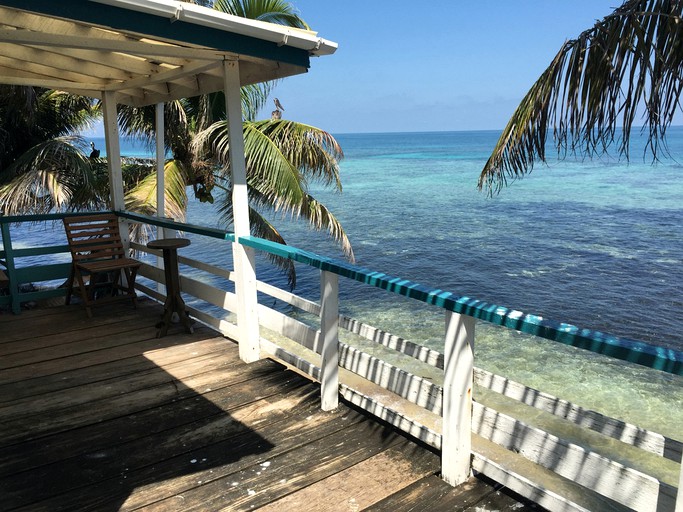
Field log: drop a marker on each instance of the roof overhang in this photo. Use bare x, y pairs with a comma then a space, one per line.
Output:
145, 51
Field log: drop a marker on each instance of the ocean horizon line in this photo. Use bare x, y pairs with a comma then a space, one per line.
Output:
634, 129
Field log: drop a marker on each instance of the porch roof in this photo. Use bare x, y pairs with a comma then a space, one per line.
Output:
145, 51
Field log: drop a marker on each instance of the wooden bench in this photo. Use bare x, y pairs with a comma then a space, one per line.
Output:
99, 257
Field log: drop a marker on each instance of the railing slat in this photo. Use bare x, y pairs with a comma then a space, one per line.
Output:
329, 329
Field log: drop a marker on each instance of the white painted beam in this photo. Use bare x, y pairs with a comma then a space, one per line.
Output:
329, 329
456, 441
111, 132
244, 260
161, 185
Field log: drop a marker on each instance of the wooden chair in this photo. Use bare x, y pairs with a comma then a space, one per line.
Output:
98, 256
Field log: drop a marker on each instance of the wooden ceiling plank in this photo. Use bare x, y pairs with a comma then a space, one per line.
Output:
48, 72
26, 79
64, 62
165, 76
56, 26
108, 61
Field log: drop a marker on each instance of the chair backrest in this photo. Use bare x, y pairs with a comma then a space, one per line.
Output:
94, 237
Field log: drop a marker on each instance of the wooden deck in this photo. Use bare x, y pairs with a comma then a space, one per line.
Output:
99, 414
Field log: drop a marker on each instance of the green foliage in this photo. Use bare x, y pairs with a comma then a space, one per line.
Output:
273, 11
595, 87
43, 169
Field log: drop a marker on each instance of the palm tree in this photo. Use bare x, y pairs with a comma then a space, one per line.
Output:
43, 166
282, 156
629, 62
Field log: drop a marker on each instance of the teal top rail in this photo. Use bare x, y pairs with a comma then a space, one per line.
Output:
667, 360
659, 358
179, 226
15, 219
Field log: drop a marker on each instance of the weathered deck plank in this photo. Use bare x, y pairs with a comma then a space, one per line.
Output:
363, 484
431, 490
101, 415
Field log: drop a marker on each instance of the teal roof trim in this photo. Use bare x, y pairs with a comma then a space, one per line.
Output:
155, 26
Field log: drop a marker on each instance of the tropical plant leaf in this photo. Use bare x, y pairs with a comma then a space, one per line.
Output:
52, 175
268, 169
143, 197
629, 63
280, 12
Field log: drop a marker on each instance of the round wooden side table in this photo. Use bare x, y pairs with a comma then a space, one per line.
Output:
174, 302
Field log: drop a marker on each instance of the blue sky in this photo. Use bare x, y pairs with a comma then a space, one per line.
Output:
449, 65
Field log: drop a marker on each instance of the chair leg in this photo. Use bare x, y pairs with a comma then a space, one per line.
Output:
87, 293
70, 286
131, 274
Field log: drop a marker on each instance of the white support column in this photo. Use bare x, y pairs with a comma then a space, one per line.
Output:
111, 132
329, 330
161, 185
113, 144
456, 437
245, 268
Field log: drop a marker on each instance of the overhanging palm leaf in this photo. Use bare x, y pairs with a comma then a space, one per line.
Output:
268, 170
313, 151
629, 62
52, 175
280, 12
280, 157
143, 198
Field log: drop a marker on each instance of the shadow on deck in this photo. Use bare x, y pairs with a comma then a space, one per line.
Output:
99, 414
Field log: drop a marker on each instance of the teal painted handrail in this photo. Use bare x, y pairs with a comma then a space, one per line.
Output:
179, 226
659, 358
15, 219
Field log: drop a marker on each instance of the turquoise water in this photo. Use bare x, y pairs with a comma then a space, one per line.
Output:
596, 243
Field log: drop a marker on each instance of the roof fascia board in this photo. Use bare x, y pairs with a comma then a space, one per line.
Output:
164, 28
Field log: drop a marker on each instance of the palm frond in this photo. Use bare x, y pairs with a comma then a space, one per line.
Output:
594, 89
268, 170
280, 12
53, 175
314, 152
322, 219
143, 197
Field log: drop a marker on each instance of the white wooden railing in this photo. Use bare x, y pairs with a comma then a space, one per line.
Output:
591, 468
470, 434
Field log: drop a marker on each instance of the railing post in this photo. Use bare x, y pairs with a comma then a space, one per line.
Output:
243, 257
161, 184
456, 437
11, 269
329, 331
679, 494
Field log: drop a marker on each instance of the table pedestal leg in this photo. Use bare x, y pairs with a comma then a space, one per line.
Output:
174, 301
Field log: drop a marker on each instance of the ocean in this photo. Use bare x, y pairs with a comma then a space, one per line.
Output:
593, 242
